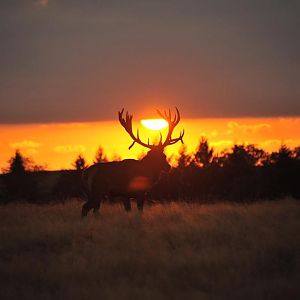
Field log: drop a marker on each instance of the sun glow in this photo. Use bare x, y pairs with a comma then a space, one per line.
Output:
154, 124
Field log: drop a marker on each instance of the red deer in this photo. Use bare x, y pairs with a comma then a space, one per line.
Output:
129, 178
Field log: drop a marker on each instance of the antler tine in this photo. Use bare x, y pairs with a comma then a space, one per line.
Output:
131, 145
168, 116
172, 124
120, 113
180, 138
127, 125
160, 140
176, 117
161, 115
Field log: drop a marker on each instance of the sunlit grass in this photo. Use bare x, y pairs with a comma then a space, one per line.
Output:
174, 251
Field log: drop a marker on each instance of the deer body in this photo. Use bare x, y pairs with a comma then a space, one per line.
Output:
125, 179
128, 178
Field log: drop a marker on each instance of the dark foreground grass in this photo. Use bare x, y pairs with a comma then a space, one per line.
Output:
177, 251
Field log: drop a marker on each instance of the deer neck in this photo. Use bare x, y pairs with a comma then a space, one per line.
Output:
150, 169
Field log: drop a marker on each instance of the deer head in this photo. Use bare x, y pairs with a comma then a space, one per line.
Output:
155, 159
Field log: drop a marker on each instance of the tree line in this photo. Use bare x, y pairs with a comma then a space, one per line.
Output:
242, 173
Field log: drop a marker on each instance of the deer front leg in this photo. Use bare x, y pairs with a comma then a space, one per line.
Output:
86, 208
127, 203
92, 203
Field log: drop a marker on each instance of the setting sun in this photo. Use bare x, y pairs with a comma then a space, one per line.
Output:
154, 124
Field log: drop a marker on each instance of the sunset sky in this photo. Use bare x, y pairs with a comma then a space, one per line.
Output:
232, 67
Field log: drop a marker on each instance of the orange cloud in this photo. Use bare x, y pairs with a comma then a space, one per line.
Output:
248, 129
272, 143
28, 146
276, 143
25, 144
221, 144
69, 149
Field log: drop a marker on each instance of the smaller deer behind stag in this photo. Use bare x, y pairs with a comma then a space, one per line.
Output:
129, 178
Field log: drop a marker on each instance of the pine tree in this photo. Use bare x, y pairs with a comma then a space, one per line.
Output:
184, 158
100, 156
80, 163
19, 182
204, 154
17, 163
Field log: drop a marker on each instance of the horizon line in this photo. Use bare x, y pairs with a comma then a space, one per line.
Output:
113, 120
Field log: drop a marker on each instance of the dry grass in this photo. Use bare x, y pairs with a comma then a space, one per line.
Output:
176, 251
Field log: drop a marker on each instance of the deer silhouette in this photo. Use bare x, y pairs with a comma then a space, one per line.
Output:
129, 178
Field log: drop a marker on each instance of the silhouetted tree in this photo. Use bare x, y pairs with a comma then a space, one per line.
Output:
80, 163
184, 158
236, 177
17, 163
19, 181
180, 175
68, 185
256, 156
296, 153
284, 171
20, 164
204, 154
282, 157
244, 173
243, 158
100, 156
116, 157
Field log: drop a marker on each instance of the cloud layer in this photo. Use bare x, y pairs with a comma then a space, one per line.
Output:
84, 60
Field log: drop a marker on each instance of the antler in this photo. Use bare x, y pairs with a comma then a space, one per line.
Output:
127, 124
172, 124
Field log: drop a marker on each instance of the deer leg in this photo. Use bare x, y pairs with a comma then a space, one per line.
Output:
96, 207
86, 208
127, 203
93, 202
140, 202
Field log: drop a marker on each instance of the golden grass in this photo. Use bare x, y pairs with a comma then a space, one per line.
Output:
175, 251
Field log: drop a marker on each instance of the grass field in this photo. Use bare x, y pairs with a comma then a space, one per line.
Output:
174, 251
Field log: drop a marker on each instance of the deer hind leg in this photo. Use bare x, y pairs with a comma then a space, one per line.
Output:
96, 206
140, 202
127, 203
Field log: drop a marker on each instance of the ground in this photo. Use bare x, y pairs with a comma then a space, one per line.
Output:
173, 251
